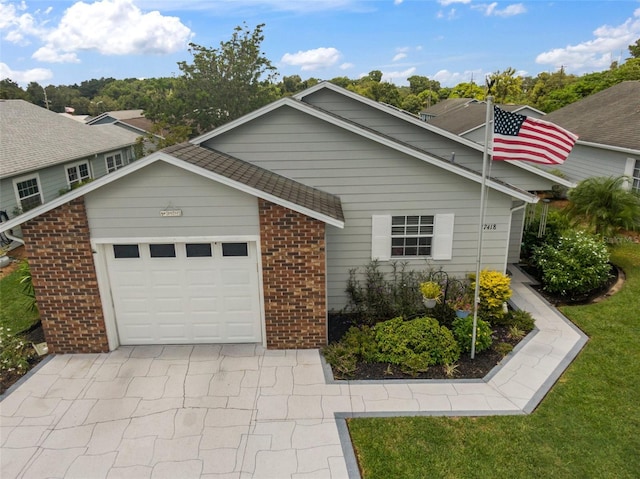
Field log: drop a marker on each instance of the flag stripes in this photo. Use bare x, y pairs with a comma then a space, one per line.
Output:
517, 137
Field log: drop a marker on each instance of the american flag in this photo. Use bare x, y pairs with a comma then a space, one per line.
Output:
518, 137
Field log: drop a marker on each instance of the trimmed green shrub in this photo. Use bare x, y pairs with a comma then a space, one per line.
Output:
495, 290
522, 320
415, 344
577, 264
361, 340
463, 332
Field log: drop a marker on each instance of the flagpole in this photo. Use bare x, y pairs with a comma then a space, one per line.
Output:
483, 199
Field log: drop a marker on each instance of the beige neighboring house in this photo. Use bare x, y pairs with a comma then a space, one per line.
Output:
43, 153
131, 120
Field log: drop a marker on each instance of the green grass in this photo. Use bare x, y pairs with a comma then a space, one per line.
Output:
588, 426
14, 306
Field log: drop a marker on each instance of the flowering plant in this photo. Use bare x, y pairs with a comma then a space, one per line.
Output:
431, 290
463, 303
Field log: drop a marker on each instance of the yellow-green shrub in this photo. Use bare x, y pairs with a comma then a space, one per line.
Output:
495, 290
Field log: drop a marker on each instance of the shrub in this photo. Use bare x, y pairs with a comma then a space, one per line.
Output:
415, 344
343, 360
463, 332
361, 340
504, 348
495, 290
555, 226
522, 320
15, 352
577, 264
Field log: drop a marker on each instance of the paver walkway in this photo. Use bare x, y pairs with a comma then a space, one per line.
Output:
239, 411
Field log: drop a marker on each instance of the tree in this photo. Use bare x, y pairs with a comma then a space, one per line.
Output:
220, 84
634, 49
468, 90
505, 86
418, 84
10, 90
604, 205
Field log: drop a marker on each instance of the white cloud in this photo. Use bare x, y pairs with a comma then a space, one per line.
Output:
445, 3
346, 66
26, 76
399, 56
451, 79
109, 27
240, 7
398, 76
491, 9
595, 54
315, 59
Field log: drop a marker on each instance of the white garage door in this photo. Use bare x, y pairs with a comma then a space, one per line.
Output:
182, 293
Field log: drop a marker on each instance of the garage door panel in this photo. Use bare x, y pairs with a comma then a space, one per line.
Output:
181, 300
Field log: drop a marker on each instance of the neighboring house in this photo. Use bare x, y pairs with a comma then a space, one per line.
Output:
469, 119
43, 153
608, 127
248, 233
445, 106
131, 120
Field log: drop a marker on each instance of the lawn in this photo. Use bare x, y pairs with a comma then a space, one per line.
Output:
15, 313
588, 426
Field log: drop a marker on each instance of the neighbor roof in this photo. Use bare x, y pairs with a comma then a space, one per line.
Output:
118, 115
610, 117
32, 137
258, 178
447, 106
466, 117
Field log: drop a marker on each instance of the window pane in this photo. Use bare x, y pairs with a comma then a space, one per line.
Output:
397, 220
411, 251
198, 250
28, 188
413, 220
84, 171
72, 174
126, 251
30, 203
235, 249
162, 250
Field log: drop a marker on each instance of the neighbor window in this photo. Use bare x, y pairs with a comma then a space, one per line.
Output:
28, 193
411, 235
636, 177
78, 173
114, 162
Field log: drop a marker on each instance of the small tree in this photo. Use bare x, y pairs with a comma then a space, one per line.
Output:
604, 205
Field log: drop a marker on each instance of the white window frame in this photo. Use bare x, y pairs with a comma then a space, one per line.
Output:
635, 177
410, 227
23, 179
77, 166
116, 166
441, 244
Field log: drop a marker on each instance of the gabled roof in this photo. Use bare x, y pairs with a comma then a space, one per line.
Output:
260, 179
117, 115
222, 168
32, 137
468, 117
609, 117
447, 106
377, 137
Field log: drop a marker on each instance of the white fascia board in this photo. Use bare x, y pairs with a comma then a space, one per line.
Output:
620, 149
240, 121
160, 156
451, 167
80, 191
253, 191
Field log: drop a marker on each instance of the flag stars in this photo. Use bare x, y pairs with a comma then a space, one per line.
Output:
507, 123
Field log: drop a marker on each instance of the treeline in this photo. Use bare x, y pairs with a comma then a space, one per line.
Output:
223, 83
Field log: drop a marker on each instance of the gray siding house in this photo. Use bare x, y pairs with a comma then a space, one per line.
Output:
247, 233
43, 153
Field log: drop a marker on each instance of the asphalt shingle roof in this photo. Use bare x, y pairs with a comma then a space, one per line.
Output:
259, 178
466, 117
610, 117
32, 137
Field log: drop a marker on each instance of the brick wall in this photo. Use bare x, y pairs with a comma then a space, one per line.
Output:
293, 269
61, 260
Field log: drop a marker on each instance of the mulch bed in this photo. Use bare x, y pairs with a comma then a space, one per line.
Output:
467, 368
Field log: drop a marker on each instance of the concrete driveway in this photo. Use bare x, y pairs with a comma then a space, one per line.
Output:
239, 411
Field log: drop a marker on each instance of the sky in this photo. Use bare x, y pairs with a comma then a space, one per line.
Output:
64, 42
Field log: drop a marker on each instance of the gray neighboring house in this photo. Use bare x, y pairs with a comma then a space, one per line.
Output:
608, 127
43, 153
248, 233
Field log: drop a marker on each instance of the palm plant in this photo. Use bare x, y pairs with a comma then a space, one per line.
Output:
604, 205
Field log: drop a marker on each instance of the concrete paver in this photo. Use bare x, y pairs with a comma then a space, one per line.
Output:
239, 411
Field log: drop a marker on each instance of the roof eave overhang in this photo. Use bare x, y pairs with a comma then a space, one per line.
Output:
160, 156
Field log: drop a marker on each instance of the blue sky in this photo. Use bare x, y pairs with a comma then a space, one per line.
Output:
452, 41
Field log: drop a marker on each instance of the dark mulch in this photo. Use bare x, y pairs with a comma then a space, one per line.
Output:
467, 368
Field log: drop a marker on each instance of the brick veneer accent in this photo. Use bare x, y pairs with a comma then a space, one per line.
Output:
293, 271
61, 260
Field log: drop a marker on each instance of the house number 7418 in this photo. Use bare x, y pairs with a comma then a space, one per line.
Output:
490, 226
